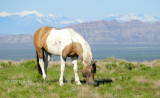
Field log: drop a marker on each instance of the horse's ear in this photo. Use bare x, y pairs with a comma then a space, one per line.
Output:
93, 62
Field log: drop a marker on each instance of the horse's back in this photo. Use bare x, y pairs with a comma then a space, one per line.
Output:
66, 36
41, 35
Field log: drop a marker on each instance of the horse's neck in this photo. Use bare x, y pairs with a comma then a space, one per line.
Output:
87, 61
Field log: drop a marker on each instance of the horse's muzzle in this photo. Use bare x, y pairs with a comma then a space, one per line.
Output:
90, 83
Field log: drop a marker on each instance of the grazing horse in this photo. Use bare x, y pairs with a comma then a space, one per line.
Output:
64, 43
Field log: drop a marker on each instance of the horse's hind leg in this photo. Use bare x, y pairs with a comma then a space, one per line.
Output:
47, 59
41, 61
75, 68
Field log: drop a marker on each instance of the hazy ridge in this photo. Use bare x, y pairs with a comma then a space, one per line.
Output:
120, 32
104, 32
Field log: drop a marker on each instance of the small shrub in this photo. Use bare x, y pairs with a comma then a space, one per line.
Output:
144, 67
127, 65
3, 65
123, 77
9, 63
111, 66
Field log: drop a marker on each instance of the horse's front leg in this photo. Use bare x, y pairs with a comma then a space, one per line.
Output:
62, 71
75, 68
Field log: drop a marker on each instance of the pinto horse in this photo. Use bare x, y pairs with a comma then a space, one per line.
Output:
64, 43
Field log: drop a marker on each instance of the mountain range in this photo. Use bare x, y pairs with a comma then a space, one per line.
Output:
132, 28
16, 39
133, 31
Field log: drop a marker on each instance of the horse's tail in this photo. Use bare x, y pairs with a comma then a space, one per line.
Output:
38, 65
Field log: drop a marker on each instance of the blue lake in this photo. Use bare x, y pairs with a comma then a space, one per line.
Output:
130, 52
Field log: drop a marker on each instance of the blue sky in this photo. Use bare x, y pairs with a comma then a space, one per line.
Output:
84, 9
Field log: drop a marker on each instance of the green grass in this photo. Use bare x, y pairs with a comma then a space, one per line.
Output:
114, 78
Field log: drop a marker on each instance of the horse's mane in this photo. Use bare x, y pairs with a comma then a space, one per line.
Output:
87, 55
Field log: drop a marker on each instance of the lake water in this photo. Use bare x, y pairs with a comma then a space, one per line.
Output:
130, 52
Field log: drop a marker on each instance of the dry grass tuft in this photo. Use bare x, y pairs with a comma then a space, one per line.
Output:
118, 87
109, 61
54, 95
155, 63
53, 63
112, 71
12, 62
152, 64
156, 84
108, 96
142, 80
86, 93
4, 95
158, 94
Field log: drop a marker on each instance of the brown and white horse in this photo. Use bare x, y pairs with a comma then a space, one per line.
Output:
64, 43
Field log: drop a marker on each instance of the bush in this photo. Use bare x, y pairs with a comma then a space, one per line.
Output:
29, 64
2, 64
111, 66
144, 67
127, 65
123, 77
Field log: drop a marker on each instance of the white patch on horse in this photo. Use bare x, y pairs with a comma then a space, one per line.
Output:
57, 40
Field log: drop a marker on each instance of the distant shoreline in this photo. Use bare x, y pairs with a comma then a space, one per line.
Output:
68, 61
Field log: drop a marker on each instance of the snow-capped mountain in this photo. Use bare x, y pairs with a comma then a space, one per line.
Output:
132, 16
133, 28
26, 22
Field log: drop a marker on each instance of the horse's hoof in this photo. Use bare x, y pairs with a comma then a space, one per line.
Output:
44, 77
79, 83
61, 84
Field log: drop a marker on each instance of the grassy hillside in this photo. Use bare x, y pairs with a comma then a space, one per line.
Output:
114, 78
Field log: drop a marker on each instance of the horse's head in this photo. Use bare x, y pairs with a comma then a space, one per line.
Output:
88, 72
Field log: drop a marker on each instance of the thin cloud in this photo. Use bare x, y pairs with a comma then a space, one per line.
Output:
23, 13
72, 21
4, 14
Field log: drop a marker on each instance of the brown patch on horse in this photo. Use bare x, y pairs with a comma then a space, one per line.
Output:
40, 38
73, 49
